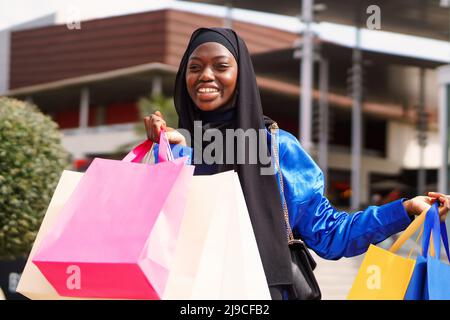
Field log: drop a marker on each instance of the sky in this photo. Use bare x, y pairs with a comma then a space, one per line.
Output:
14, 12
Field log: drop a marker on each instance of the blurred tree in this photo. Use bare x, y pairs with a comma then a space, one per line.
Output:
151, 104
31, 161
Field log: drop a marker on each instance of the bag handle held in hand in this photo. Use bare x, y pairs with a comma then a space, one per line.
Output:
164, 152
138, 153
437, 230
415, 225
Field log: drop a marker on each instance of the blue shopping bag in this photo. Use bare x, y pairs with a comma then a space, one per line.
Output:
431, 277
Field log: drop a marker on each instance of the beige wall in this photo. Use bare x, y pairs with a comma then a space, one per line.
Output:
404, 84
403, 147
104, 139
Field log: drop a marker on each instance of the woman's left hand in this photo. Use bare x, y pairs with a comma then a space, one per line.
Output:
416, 205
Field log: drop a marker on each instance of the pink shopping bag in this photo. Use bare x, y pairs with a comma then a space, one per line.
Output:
116, 235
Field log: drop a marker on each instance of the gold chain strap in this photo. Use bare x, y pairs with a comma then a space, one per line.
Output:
273, 130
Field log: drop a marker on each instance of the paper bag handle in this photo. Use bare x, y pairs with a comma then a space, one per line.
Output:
138, 153
164, 152
413, 227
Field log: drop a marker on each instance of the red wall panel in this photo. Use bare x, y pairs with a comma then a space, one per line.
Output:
122, 113
52, 53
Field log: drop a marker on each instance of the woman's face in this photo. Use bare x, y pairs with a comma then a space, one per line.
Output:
211, 76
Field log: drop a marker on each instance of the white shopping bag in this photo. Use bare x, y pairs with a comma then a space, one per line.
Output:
32, 282
217, 255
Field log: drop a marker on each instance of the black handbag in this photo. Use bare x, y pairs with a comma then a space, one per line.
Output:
304, 283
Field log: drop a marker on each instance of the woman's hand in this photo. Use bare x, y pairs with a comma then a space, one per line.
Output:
416, 205
153, 125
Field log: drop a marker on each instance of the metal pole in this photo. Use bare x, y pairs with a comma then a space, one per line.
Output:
443, 131
444, 120
84, 108
323, 108
421, 176
306, 82
356, 123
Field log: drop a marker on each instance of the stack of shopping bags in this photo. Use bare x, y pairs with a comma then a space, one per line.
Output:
384, 275
130, 230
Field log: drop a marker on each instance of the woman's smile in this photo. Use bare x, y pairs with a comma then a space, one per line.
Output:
207, 92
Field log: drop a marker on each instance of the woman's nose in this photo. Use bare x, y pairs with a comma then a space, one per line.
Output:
206, 75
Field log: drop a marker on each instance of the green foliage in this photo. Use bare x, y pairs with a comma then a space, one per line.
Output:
31, 161
151, 104
148, 105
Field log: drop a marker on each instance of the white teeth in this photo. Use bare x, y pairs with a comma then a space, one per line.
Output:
207, 90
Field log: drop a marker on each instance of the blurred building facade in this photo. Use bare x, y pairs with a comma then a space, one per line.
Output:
90, 79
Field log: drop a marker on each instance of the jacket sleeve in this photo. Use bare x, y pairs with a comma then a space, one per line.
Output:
332, 234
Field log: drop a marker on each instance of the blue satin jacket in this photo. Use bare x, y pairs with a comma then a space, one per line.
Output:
330, 233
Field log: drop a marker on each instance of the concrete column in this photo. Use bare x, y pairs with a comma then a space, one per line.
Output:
228, 23
356, 123
84, 108
156, 85
444, 83
306, 82
324, 116
421, 176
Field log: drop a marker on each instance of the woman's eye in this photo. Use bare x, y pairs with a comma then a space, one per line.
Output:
222, 66
194, 67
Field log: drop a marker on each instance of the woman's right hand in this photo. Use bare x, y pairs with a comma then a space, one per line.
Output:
153, 125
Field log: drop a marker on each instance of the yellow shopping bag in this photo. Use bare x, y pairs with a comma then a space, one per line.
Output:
383, 275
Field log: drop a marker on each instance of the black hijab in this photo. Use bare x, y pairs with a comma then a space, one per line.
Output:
244, 111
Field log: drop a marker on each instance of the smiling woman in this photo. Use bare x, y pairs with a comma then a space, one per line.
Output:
216, 90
